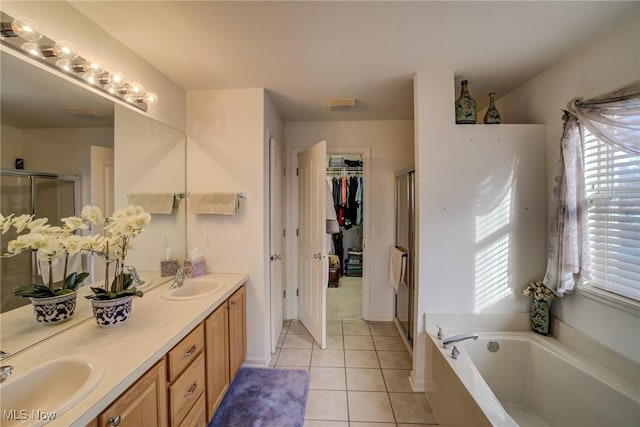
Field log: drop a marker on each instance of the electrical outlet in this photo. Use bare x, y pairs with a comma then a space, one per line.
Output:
207, 240
165, 241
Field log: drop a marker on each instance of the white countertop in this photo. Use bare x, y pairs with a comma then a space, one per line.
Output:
125, 352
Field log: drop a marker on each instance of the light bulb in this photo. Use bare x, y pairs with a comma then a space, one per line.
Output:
26, 28
31, 48
130, 98
64, 64
111, 88
117, 78
151, 97
136, 88
90, 78
95, 66
65, 50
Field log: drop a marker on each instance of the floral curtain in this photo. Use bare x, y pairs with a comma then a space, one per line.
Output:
613, 118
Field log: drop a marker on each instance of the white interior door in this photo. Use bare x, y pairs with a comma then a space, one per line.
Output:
312, 257
102, 196
276, 256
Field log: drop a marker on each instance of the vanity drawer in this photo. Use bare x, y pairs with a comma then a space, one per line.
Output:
186, 390
197, 416
185, 352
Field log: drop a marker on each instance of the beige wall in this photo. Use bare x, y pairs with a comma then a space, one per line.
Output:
391, 147
608, 63
226, 153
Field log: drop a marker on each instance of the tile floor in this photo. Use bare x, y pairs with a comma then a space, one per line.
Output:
359, 380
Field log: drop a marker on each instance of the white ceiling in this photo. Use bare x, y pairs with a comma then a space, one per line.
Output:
305, 52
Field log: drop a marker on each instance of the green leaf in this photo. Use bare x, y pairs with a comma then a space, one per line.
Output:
73, 280
63, 291
33, 291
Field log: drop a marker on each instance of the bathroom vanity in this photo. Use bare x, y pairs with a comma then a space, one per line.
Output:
169, 365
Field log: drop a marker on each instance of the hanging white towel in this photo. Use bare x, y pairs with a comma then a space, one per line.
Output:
214, 203
153, 203
397, 267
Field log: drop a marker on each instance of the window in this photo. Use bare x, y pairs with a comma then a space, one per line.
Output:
613, 196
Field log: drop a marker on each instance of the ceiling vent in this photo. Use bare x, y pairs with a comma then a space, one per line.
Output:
341, 103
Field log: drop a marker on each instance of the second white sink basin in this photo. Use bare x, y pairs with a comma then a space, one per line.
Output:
198, 287
45, 392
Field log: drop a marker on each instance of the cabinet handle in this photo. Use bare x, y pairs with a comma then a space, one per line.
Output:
192, 390
232, 303
190, 352
115, 420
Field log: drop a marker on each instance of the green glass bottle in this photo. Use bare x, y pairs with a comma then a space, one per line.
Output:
492, 116
465, 106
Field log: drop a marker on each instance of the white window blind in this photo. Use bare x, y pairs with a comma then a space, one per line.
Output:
613, 194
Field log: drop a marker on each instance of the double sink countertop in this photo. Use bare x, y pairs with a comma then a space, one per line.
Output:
124, 353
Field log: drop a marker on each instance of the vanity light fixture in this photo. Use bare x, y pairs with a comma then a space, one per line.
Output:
24, 35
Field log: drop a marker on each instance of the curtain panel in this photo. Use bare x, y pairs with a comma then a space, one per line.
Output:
614, 119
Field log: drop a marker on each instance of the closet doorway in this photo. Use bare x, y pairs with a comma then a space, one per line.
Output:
345, 235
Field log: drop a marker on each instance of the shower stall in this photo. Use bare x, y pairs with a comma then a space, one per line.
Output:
35, 193
405, 231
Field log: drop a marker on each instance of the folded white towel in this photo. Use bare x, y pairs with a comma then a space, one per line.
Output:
214, 203
397, 267
153, 203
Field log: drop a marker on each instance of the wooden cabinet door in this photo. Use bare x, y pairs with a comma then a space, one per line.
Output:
237, 330
216, 328
143, 404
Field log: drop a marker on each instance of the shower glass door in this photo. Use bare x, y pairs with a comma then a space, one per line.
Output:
43, 195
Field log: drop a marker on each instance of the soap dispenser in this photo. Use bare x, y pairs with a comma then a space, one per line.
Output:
196, 262
168, 266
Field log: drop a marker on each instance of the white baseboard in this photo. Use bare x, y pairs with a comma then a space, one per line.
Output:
257, 362
417, 386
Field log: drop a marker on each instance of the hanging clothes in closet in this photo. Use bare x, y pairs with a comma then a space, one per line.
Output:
348, 196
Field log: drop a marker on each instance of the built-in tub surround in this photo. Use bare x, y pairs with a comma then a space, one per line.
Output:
522, 378
127, 352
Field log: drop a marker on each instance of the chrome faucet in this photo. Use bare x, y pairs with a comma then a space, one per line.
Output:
5, 372
457, 338
181, 274
134, 275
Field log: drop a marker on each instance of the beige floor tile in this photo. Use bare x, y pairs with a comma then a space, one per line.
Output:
412, 408
371, 425
281, 340
360, 379
327, 405
317, 423
394, 360
397, 380
297, 328
386, 343
383, 329
359, 321
358, 342
369, 406
328, 358
334, 328
294, 357
334, 342
297, 368
435, 423
327, 378
274, 358
361, 359
355, 329
298, 341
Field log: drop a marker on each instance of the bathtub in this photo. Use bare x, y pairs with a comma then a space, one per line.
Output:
530, 380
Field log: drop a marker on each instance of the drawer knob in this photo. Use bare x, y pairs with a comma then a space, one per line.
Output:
115, 420
190, 352
232, 303
192, 390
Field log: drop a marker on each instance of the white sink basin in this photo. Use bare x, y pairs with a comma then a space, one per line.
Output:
198, 287
45, 392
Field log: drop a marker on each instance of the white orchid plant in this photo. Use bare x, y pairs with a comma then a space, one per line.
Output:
113, 244
538, 291
49, 242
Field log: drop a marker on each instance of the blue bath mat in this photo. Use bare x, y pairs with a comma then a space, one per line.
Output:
264, 397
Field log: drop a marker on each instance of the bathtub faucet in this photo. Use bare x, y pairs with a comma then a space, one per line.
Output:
457, 338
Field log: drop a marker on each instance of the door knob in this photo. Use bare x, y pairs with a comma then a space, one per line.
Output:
272, 257
318, 255
278, 257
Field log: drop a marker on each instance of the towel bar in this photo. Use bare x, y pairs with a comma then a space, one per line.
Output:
242, 195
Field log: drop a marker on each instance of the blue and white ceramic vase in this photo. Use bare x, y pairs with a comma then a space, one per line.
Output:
466, 112
112, 312
540, 317
54, 310
492, 116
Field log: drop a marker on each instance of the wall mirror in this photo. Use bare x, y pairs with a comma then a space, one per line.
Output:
76, 148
